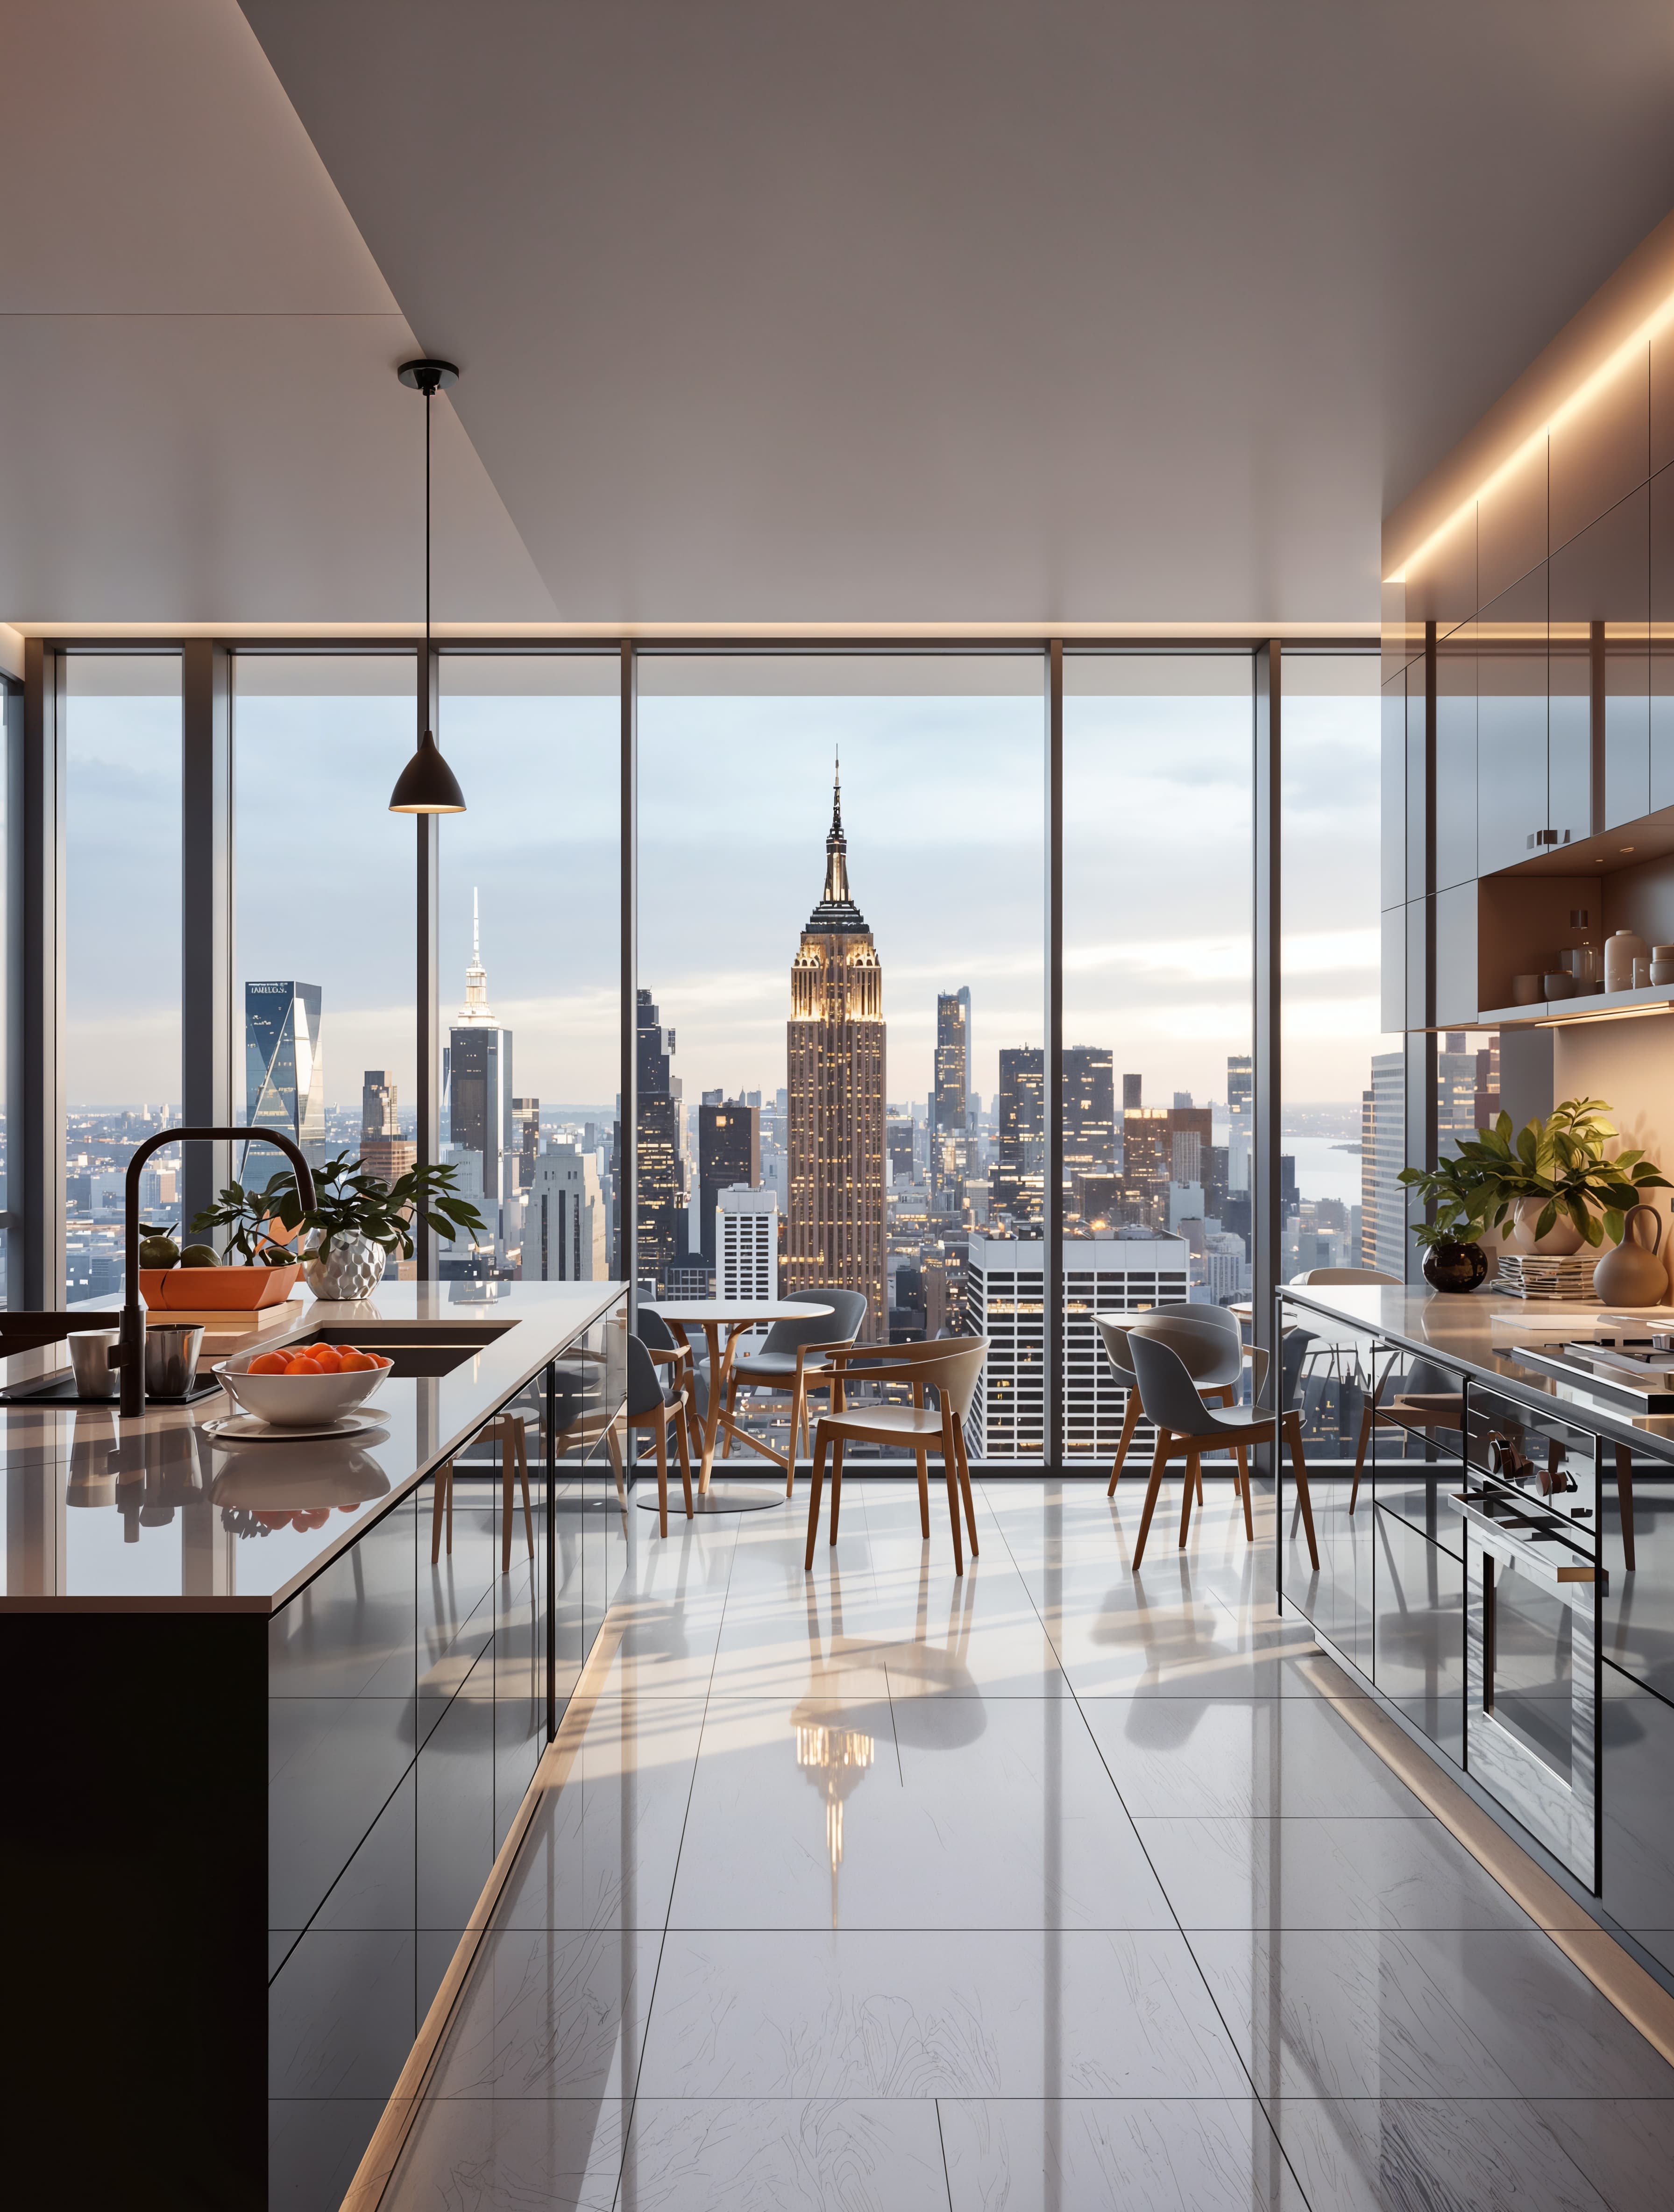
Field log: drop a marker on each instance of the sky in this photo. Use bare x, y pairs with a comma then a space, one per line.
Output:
943, 808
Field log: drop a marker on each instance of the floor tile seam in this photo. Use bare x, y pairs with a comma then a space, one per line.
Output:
941, 2145
1227, 2036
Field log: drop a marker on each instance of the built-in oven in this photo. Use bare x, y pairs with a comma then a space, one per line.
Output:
1534, 1586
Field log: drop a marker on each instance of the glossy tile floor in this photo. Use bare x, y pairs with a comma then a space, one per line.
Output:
1041, 1889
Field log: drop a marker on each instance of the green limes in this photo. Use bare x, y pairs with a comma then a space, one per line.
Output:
200, 1255
159, 1250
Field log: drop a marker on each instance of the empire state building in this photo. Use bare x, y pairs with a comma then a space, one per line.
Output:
835, 1137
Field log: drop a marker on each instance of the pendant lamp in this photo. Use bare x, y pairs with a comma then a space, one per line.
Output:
427, 785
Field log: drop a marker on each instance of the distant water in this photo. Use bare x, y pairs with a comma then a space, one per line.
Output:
1324, 1171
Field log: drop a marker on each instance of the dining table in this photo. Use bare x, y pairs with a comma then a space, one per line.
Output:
736, 1317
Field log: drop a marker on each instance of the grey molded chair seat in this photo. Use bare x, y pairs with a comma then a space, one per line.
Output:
951, 1365
667, 1350
1184, 1424
1343, 1275
1209, 1339
793, 1362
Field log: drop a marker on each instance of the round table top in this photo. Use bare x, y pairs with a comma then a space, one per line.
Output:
718, 1309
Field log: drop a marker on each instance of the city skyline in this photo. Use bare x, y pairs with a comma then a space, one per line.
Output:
1159, 974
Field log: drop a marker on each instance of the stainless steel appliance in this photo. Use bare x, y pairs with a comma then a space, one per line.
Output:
1534, 1585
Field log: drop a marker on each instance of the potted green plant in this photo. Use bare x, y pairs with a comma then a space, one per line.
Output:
1459, 1199
1548, 1187
353, 1226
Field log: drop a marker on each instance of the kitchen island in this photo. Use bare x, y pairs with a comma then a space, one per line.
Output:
264, 1751
1504, 1581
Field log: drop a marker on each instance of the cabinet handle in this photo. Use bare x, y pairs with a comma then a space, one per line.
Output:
1534, 1559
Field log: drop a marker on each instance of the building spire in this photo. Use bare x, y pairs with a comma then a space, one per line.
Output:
836, 848
476, 1007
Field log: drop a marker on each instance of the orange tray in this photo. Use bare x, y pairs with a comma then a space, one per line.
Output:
217, 1289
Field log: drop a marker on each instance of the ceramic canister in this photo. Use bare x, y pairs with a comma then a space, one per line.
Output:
1621, 950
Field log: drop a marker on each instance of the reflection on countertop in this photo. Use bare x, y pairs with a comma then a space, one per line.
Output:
156, 1512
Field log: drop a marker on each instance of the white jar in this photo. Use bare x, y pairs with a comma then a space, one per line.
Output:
1621, 950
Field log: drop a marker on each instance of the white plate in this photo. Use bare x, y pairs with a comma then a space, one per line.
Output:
246, 1429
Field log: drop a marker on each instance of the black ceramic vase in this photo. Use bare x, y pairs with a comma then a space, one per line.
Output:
1450, 1266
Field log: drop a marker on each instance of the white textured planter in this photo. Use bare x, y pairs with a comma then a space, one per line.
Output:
1563, 1236
351, 1269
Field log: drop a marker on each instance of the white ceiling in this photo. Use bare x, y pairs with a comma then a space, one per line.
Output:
930, 312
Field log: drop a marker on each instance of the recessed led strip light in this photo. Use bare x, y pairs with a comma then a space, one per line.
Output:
1613, 1014
1586, 390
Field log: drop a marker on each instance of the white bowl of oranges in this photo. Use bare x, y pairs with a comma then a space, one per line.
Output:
303, 1386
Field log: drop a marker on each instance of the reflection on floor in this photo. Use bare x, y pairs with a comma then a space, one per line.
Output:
878, 1888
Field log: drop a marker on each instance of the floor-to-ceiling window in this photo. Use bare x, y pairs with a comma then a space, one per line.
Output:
531, 979
840, 993
1158, 1094
122, 958
323, 1014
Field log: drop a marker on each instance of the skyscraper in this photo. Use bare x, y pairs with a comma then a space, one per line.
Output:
657, 1127
479, 1092
385, 1152
729, 1151
1019, 1183
526, 1131
950, 1100
285, 1068
1383, 1148
835, 1137
1089, 1112
564, 1232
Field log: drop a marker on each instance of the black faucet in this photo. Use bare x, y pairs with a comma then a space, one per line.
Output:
132, 1349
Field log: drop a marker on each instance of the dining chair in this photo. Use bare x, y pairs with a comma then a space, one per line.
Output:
1418, 1406
650, 1407
1209, 1338
507, 1433
667, 1350
793, 1362
953, 1366
1184, 1424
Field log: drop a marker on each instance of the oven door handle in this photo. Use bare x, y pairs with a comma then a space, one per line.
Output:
1557, 1565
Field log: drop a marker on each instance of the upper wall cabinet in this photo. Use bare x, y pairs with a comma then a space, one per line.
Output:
1662, 400
1659, 670
1456, 756
1512, 796
1393, 792
1602, 451
1600, 611
1511, 526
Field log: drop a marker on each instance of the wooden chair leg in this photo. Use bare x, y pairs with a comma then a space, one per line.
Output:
816, 1483
836, 1485
662, 1480
1368, 1417
1158, 1461
1243, 1451
1194, 1483
732, 1400
613, 1445
960, 1454
442, 1503
950, 1468
1129, 1423
790, 1456
686, 1460
923, 1459
501, 1434
1293, 1431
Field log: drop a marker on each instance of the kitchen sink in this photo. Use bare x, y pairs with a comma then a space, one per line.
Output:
415, 1347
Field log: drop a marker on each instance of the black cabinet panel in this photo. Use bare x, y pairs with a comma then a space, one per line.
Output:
1419, 1638
1638, 1857
333, 1764
341, 2015
351, 1632
378, 1888
456, 1840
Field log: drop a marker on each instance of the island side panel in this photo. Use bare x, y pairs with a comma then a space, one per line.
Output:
133, 1847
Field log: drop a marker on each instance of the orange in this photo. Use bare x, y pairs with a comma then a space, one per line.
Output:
302, 1365
271, 1363
327, 1360
356, 1363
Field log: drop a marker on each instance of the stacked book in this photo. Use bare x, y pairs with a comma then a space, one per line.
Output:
1533, 1275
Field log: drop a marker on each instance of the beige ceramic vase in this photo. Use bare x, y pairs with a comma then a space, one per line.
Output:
1562, 1238
1632, 1274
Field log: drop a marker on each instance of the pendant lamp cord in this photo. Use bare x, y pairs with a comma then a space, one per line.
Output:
429, 395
